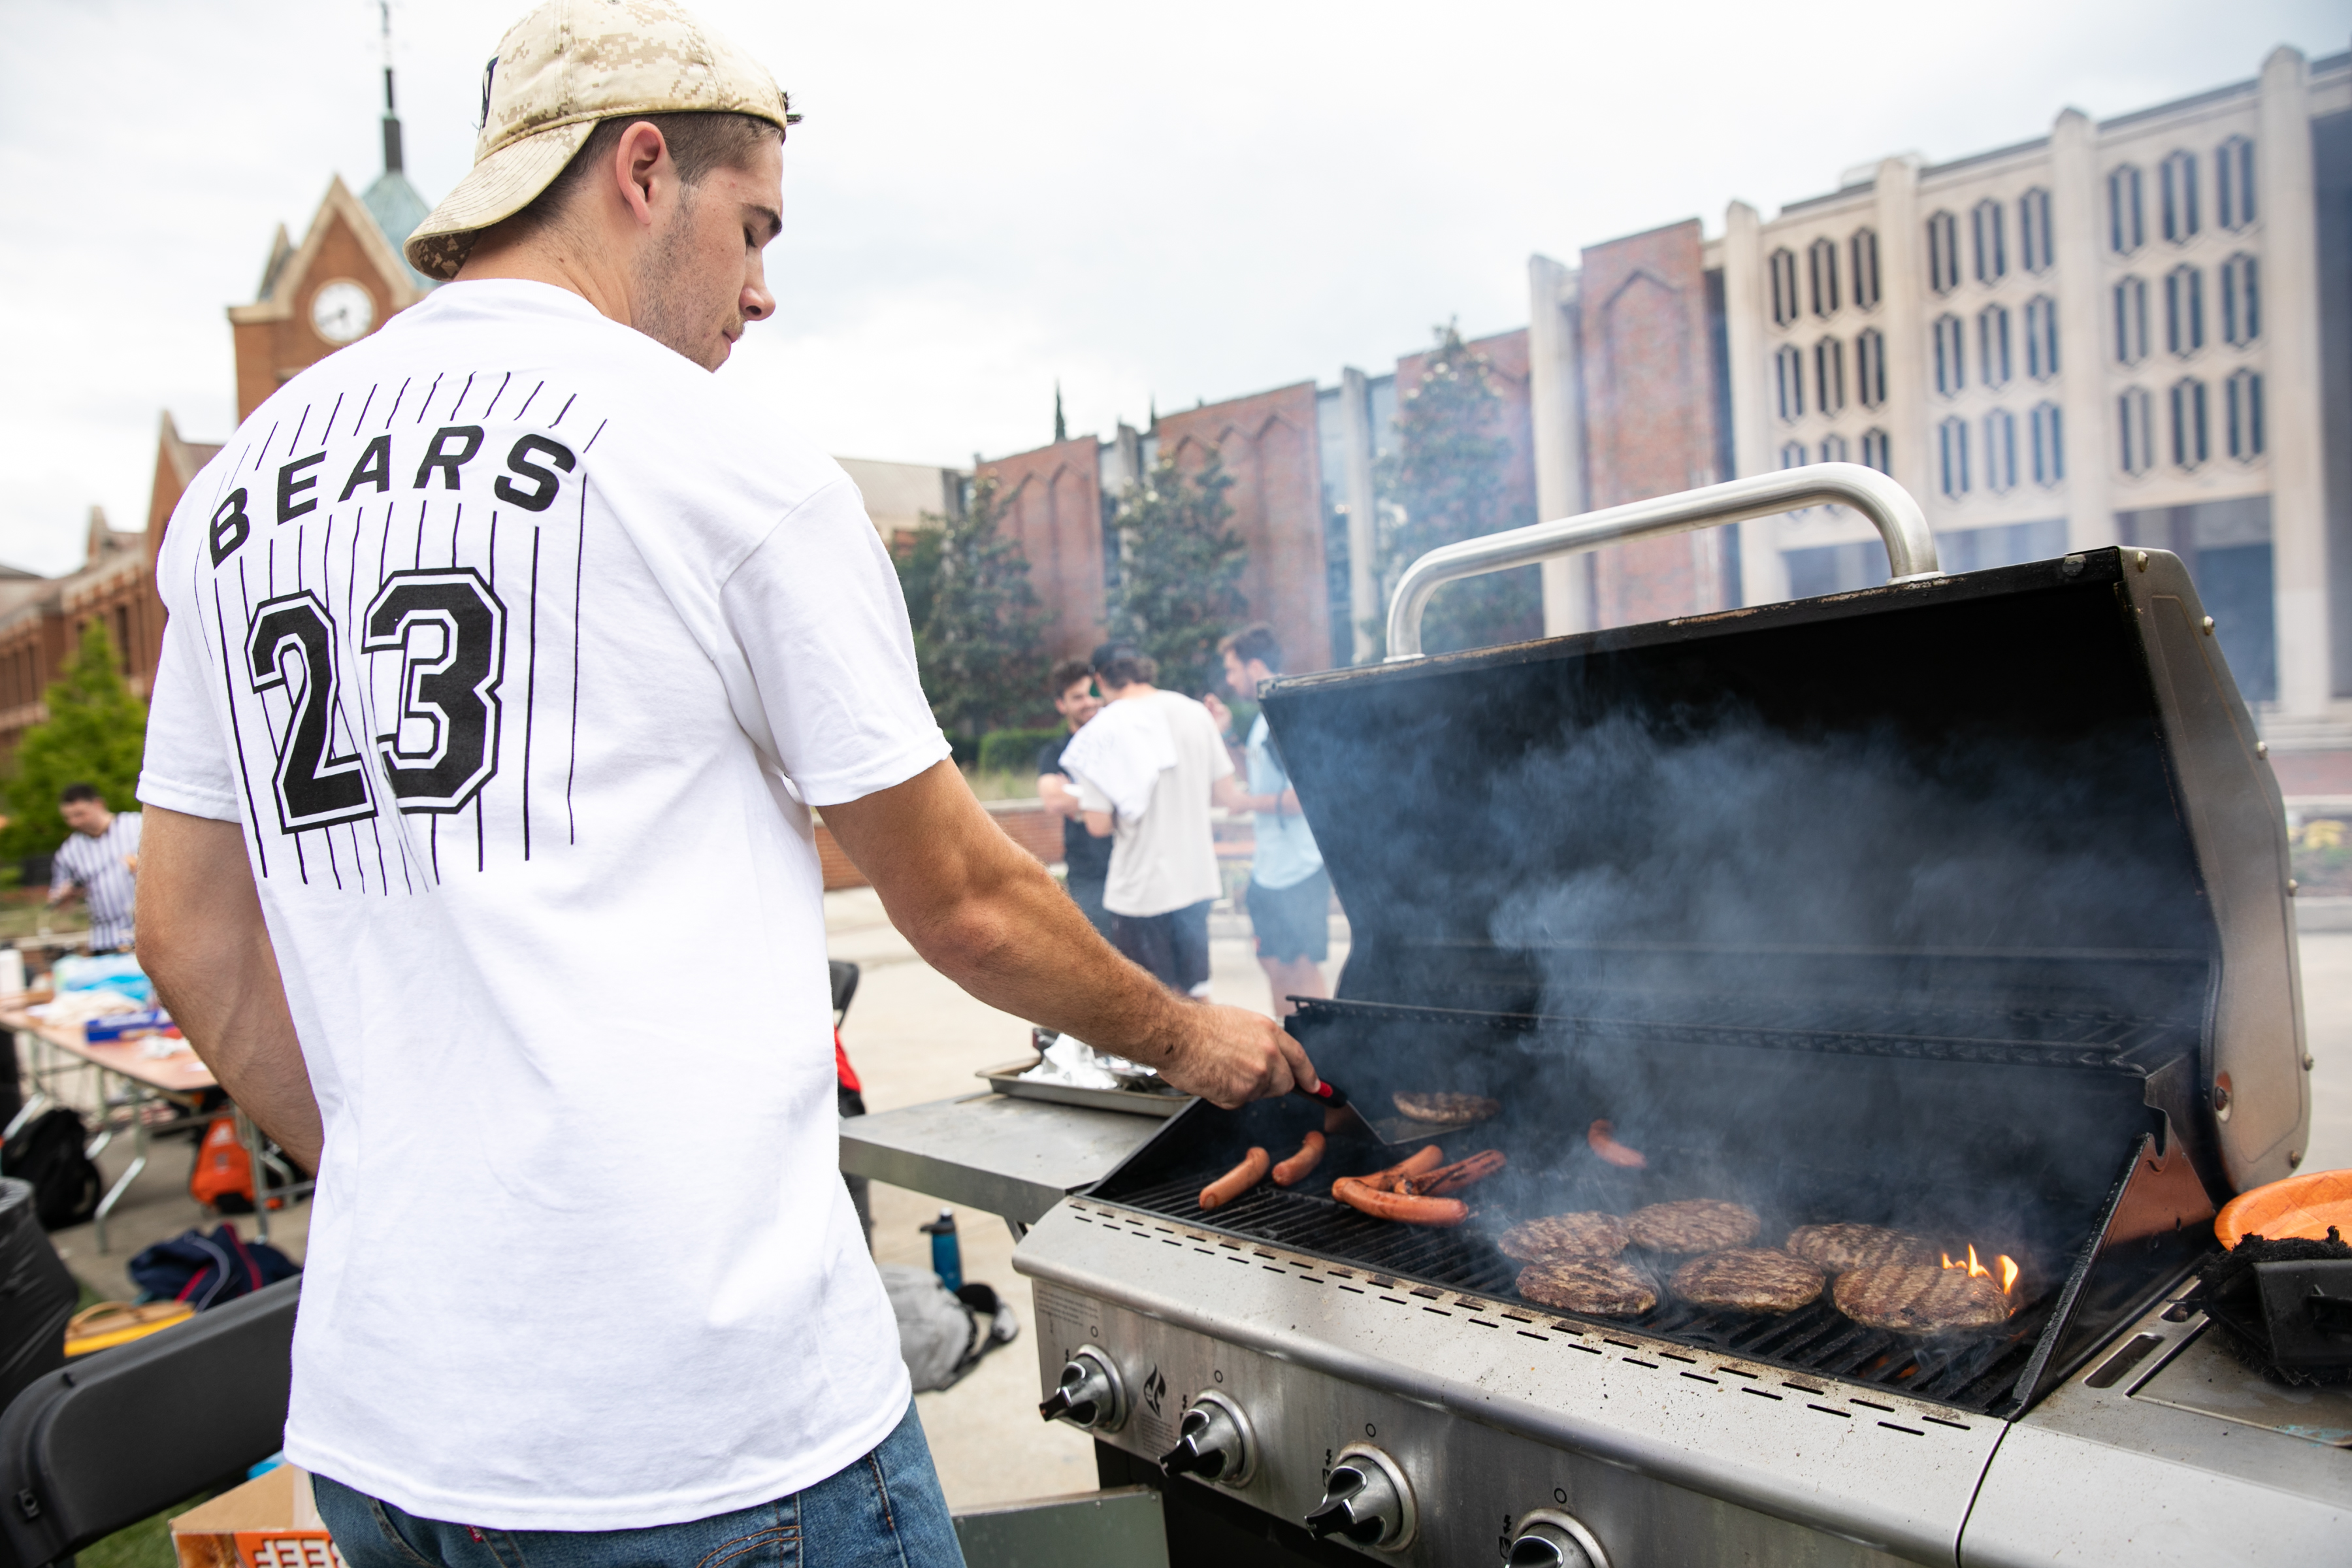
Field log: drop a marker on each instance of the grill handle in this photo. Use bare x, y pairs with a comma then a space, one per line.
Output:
1910, 547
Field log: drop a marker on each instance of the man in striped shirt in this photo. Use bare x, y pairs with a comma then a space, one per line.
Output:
101, 857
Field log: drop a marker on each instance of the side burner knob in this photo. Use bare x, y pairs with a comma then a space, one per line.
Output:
1550, 1538
1366, 1499
1089, 1393
1213, 1443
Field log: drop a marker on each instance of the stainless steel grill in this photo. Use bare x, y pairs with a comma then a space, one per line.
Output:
1958, 906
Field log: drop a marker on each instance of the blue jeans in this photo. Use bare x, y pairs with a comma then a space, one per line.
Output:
884, 1512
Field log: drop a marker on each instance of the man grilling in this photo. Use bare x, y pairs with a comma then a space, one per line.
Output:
488, 633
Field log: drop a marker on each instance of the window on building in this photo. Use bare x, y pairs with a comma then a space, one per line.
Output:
1951, 363
2243, 404
2233, 183
1821, 274
2047, 429
1788, 380
2042, 336
2192, 430
1835, 450
2176, 183
1877, 451
2184, 311
1870, 367
1993, 367
2136, 429
1829, 376
1792, 454
2036, 250
1943, 252
2126, 210
2241, 300
1865, 269
2000, 451
1952, 457
2131, 320
1989, 240
1782, 267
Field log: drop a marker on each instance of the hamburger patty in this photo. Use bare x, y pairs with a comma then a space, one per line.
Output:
1750, 1280
1697, 1224
1602, 1285
1840, 1247
1444, 1106
1587, 1234
1918, 1298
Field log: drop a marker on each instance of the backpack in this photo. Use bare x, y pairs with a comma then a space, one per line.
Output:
48, 1153
206, 1270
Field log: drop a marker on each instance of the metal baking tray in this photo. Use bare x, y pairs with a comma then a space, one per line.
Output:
1144, 1095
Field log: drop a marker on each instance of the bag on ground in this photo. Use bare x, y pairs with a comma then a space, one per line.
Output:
206, 1270
48, 1153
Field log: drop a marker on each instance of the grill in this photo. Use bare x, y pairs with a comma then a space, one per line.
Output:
1958, 906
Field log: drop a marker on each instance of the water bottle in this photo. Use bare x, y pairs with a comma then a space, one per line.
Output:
947, 1256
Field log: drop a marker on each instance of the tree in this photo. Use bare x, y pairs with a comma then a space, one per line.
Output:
1180, 569
94, 734
1446, 482
979, 630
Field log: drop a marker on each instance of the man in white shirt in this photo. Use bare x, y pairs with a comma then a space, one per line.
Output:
1149, 766
101, 857
488, 633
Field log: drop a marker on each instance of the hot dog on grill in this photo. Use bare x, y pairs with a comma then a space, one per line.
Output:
1403, 1208
1454, 1177
1424, 1159
1293, 1171
1608, 1149
1237, 1181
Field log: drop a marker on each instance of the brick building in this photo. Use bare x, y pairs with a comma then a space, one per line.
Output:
1302, 459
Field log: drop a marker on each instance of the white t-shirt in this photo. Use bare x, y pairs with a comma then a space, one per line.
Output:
1167, 859
513, 639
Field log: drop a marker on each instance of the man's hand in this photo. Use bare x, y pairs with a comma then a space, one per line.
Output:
1231, 1055
1219, 712
1060, 799
982, 912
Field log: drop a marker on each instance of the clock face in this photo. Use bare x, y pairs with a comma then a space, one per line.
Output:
341, 310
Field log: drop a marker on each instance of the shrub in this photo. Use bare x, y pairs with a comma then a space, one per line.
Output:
1014, 751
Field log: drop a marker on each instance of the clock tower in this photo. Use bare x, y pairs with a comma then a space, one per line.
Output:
345, 279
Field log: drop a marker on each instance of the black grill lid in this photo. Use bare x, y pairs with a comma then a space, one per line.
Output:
2031, 785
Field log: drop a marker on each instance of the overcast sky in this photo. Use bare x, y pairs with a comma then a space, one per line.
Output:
1174, 202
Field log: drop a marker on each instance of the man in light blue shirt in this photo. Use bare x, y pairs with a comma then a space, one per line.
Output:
1289, 891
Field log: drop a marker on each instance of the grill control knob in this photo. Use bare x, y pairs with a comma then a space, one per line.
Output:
1550, 1538
1366, 1499
1090, 1393
1214, 1442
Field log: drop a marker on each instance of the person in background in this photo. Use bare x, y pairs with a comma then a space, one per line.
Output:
1086, 858
101, 857
1289, 890
1147, 767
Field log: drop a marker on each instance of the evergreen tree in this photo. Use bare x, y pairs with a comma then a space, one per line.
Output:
979, 629
1446, 482
94, 734
1179, 572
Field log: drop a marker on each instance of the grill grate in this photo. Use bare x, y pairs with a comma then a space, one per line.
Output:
1973, 1372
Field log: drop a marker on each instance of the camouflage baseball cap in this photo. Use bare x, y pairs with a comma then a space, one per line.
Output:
559, 70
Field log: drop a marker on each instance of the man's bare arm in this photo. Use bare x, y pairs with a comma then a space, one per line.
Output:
983, 912
203, 942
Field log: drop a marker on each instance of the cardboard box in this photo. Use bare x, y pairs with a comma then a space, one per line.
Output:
270, 1521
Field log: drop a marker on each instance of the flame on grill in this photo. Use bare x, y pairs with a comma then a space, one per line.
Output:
2006, 1272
